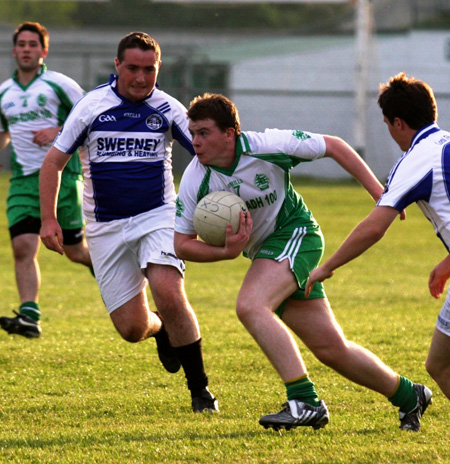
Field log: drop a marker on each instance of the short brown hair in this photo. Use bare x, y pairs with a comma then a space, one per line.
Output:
39, 29
409, 99
216, 107
138, 40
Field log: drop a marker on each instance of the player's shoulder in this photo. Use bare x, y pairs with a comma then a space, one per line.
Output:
194, 166
5, 85
255, 142
194, 171
160, 99
99, 96
58, 78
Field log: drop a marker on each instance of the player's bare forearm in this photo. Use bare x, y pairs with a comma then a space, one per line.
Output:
189, 248
349, 159
49, 182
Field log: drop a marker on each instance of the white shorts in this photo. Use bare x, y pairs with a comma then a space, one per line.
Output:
443, 320
121, 250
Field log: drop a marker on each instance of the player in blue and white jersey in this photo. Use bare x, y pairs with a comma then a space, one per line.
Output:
421, 176
125, 130
34, 103
284, 242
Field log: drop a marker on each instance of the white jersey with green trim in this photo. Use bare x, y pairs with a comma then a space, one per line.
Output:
260, 176
44, 103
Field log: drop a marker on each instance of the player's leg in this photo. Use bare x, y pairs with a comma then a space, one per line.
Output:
266, 285
75, 247
23, 212
165, 273
167, 287
122, 286
25, 245
134, 321
314, 323
438, 361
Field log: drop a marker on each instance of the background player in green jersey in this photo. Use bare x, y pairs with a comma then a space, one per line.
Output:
285, 243
33, 105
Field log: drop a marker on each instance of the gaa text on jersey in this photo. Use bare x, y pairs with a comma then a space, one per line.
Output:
107, 118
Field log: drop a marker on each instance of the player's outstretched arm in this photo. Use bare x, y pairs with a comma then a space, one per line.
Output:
364, 235
349, 159
49, 183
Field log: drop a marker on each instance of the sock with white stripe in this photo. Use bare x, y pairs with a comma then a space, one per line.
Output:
30, 309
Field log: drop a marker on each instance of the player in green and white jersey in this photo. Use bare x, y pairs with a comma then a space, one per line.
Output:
34, 103
285, 244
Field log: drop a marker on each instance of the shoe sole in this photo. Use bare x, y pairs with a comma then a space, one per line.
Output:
27, 334
318, 425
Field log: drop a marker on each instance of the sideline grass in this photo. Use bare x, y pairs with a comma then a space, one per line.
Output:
80, 394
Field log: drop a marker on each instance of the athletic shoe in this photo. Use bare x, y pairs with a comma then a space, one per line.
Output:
166, 352
21, 325
411, 420
296, 413
206, 402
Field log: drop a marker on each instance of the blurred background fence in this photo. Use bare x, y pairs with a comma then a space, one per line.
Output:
296, 78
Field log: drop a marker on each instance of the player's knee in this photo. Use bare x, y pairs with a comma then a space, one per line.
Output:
246, 310
132, 333
332, 354
435, 369
78, 254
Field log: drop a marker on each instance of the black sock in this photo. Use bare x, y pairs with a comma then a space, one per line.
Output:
191, 358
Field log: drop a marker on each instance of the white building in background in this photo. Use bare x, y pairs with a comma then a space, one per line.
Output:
288, 82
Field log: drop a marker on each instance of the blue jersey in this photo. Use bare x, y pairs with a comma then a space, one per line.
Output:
126, 150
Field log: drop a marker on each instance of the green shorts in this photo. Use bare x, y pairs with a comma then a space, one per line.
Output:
23, 200
303, 247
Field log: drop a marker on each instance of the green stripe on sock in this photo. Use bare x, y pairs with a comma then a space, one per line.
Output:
302, 390
30, 309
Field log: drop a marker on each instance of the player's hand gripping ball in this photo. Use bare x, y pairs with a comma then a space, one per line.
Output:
214, 212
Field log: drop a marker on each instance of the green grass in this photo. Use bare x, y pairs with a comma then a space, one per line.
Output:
80, 394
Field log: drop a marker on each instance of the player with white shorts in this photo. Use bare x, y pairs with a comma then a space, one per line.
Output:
126, 129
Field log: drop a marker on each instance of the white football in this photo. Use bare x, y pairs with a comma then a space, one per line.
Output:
212, 214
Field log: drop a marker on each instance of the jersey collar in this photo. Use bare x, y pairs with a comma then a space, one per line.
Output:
15, 76
423, 134
242, 146
113, 84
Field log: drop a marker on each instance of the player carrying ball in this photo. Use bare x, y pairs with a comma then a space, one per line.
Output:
284, 242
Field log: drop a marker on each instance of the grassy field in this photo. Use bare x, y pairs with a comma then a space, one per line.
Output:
80, 394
